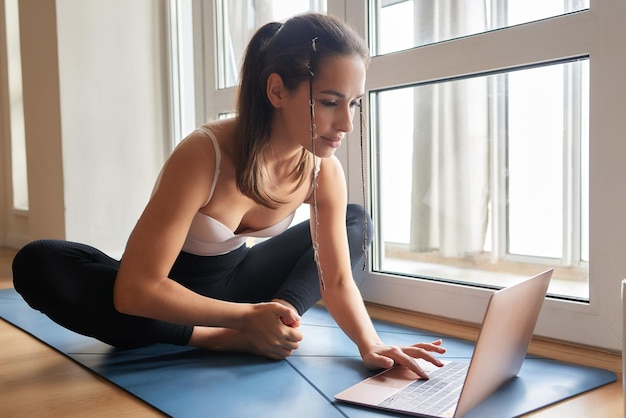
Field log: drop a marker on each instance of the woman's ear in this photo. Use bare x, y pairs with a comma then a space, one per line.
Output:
275, 90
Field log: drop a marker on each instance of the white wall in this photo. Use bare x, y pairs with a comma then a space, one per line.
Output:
113, 78
96, 115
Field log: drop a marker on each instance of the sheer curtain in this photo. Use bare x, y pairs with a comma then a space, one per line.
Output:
242, 18
450, 192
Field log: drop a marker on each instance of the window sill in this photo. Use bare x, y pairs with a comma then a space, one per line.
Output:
568, 282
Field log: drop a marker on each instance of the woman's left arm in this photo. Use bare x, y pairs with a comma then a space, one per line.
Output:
340, 293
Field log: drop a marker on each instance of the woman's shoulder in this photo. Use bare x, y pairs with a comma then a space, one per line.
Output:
198, 154
330, 180
330, 167
205, 141
222, 131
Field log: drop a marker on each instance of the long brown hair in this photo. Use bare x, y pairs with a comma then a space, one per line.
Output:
284, 49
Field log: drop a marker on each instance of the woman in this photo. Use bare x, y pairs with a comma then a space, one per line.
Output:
186, 276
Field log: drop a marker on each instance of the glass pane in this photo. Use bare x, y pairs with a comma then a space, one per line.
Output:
182, 69
404, 24
238, 20
16, 107
485, 178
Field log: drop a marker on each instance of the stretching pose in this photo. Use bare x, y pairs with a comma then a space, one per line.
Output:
187, 277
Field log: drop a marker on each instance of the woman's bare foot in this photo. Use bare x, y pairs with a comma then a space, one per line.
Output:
233, 340
221, 339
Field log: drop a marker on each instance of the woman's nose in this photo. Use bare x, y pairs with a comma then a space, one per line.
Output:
344, 120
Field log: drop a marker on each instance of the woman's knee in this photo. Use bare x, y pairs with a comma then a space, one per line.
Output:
27, 259
28, 267
46, 269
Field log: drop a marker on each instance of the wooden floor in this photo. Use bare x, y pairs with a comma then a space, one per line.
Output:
36, 381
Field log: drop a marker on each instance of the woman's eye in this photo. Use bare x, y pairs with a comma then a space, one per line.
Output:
331, 103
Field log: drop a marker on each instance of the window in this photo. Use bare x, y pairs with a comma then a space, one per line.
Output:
402, 24
475, 175
16, 109
520, 111
494, 165
237, 22
232, 24
182, 84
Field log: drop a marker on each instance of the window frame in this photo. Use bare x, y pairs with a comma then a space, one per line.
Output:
498, 233
596, 32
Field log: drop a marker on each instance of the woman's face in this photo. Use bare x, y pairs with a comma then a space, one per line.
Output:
338, 87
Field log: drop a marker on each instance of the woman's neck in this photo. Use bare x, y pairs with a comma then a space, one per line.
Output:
282, 163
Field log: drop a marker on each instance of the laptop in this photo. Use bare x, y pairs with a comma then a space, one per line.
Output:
456, 388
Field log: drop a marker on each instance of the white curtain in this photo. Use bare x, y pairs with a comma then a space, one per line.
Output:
450, 193
243, 19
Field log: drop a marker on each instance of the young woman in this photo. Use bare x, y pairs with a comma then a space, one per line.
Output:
187, 276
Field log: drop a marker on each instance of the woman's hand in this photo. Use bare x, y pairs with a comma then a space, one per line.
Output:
272, 330
379, 356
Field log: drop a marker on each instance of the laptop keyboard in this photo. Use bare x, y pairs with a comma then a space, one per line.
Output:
434, 396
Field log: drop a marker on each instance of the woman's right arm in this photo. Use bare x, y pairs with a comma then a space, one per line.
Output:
142, 287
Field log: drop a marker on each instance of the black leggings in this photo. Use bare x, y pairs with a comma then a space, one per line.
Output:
73, 283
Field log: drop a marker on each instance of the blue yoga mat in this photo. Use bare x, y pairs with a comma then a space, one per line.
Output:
187, 382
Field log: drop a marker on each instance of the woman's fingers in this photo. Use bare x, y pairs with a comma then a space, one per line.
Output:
388, 356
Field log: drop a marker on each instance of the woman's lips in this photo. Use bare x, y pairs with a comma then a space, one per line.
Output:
332, 142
